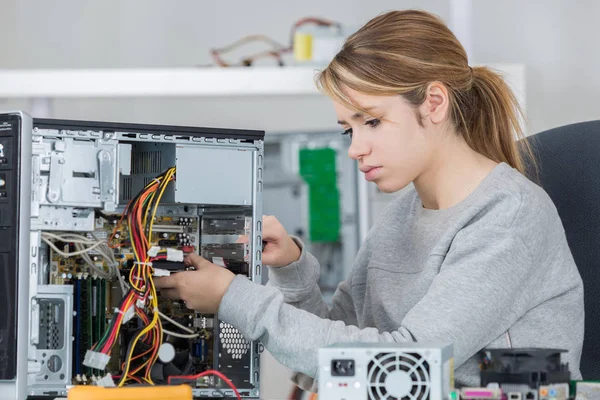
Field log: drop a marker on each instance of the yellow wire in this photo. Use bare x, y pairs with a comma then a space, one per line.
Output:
144, 331
144, 272
168, 177
148, 209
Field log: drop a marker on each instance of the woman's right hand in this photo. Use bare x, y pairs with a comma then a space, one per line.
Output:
279, 248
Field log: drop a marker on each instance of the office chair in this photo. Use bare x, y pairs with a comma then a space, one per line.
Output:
569, 171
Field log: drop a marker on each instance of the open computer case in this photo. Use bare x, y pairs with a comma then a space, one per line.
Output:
90, 212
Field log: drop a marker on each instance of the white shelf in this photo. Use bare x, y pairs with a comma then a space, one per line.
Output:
182, 82
157, 82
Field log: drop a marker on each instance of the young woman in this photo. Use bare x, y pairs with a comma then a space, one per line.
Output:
474, 255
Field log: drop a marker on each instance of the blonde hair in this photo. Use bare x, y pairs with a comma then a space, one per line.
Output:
402, 52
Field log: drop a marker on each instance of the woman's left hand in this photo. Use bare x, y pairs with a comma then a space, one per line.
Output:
202, 289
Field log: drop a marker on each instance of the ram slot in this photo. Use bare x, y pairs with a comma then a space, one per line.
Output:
86, 321
77, 328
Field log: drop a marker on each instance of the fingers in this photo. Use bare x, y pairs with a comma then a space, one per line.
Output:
271, 228
194, 260
273, 231
243, 239
172, 294
165, 282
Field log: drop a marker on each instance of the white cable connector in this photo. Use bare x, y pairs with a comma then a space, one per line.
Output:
129, 314
139, 303
153, 251
106, 381
218, 261
95, 360
161, 272
174, 255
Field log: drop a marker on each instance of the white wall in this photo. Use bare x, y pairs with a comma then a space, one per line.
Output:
161, 33
558, 41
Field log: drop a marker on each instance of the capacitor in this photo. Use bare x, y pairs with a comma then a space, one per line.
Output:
165, 235
201, 350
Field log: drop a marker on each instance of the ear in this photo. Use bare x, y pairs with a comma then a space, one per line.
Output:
436, 104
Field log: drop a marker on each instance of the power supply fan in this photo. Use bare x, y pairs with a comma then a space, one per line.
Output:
398, 376
171, 363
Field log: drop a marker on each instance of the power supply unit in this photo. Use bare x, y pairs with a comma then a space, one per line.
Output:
386, 371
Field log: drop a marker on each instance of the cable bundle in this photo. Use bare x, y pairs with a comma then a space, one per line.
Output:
141, 299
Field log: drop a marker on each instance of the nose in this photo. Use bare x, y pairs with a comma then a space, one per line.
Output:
358, 147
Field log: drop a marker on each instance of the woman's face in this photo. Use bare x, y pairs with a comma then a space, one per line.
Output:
391, 147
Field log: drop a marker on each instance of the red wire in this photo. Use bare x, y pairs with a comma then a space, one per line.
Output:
205, 373
129, 376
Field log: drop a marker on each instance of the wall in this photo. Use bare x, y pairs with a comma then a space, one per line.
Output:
557, 40
157, 33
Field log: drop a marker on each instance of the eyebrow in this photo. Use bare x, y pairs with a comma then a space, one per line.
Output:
356, 116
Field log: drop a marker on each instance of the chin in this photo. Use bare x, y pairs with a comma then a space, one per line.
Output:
391, 187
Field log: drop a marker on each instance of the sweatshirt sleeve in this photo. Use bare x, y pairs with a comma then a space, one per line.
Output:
298, 282
480, 291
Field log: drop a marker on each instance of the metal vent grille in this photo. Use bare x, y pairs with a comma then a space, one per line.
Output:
126, 187
398, 376
232, 341
147, 162
51, 315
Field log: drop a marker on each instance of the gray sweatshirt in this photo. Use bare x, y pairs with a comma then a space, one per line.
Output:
494, 270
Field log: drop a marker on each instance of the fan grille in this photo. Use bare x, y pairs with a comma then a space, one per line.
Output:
232, 341
398, 376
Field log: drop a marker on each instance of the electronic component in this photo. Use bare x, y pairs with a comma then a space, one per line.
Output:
225, 226
587, 390
51, 307
478, 393
384, 371
228, 251
90, 207
521, 373
553, 392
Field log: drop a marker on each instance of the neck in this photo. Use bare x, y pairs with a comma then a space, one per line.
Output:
454, 174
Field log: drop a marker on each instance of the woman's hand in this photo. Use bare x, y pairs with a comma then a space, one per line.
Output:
279, 250
202, 289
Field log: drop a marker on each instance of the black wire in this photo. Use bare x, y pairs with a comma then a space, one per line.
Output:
109, 218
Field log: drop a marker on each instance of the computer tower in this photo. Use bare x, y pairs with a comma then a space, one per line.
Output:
67, 258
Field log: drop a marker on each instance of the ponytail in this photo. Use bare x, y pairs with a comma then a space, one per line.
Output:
490, 118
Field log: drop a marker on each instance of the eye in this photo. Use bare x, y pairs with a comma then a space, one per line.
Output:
348, 132
373, 123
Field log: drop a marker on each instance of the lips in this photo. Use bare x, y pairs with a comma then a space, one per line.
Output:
370, 172
365, 169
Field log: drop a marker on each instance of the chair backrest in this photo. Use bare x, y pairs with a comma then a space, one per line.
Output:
569, 171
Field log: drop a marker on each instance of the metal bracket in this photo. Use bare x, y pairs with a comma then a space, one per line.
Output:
34, 336
55, 181
107, 179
